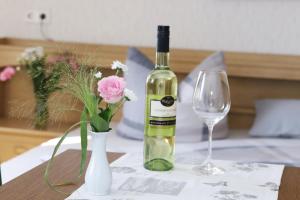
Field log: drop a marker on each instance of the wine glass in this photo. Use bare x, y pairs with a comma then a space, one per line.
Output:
211, 102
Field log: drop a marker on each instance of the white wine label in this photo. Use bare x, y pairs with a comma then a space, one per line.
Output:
164, 108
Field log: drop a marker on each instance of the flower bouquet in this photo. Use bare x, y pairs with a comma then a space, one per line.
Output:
45, 79
101, 97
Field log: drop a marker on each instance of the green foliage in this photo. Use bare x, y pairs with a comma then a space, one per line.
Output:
83, 139
45, 79
50, 163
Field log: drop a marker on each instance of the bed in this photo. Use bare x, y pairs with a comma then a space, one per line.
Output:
251, 77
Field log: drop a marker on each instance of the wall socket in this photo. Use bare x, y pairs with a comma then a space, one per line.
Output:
37, 16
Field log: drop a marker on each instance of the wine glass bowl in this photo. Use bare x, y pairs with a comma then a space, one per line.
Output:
211, 102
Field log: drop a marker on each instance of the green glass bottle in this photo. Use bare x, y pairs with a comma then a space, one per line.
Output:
160, 112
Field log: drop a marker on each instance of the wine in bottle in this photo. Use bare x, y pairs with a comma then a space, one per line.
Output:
160, 113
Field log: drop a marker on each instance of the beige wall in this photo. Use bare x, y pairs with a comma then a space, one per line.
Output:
238, 25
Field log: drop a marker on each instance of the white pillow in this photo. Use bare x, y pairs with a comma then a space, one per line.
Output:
276, 118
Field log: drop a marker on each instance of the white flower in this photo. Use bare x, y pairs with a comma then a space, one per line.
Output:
30, 54
130, 95
98, 75
38, 51
118, 65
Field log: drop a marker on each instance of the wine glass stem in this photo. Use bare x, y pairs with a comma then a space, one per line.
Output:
210, 130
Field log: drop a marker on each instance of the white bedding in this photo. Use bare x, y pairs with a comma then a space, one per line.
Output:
238, 147
265, 150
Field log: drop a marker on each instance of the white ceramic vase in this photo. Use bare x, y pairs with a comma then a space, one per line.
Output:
98, 177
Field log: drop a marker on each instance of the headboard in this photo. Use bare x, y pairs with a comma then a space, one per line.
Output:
251, 76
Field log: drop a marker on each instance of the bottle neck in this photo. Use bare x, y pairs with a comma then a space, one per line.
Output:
162, 60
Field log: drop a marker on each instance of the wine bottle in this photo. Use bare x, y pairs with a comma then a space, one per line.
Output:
160, 112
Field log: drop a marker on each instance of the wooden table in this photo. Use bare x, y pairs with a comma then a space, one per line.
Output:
31, 186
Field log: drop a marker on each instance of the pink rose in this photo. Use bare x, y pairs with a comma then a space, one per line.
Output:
7, 73
111, 88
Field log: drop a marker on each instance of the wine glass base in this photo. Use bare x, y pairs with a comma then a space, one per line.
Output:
208, 169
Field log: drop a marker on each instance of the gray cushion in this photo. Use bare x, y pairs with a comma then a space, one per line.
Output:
186, 90
188, 125
186, 87
139, 66
277, 118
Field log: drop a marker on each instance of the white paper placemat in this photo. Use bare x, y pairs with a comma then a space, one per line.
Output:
241, 181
